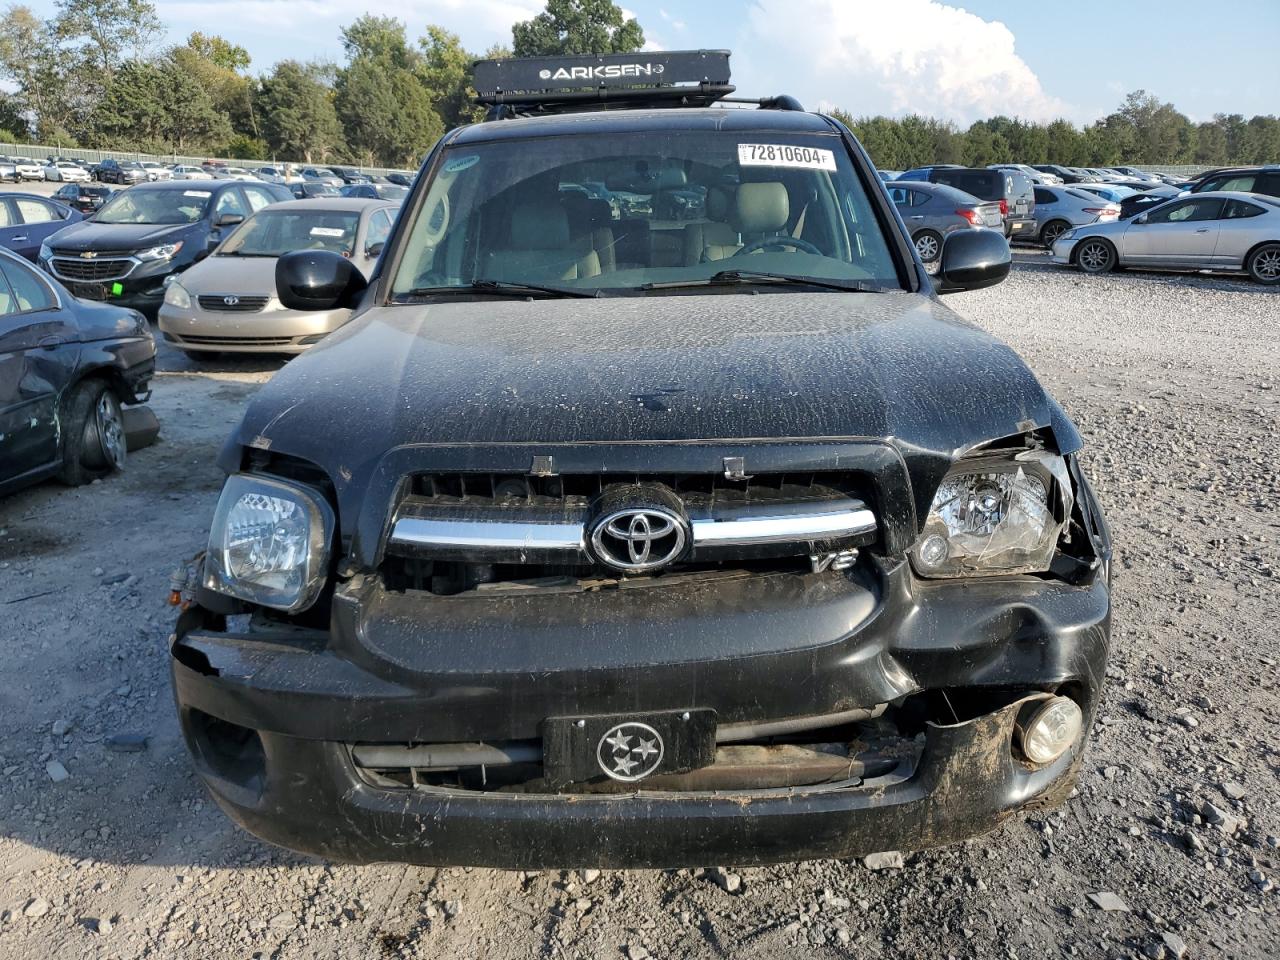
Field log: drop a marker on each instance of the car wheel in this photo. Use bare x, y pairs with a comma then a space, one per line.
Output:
1264, 264
1052, 230
1095, 255
928, 245
94, 442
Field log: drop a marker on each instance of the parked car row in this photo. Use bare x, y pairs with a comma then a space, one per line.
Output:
1102, 219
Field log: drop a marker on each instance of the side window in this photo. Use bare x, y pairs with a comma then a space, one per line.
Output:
1044, 198
1268, 183
917, 198
1244, 183
36, 211
229, 202
1189, 211
8, 216
380, 228
1239, 210
29, 291
899, 196
257, 198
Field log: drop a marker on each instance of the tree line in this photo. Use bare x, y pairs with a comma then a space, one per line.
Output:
94, 74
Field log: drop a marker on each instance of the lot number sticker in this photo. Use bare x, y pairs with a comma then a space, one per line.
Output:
784, 155
327, 231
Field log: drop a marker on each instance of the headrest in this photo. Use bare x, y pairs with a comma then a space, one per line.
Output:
670, 178
762, 206
539, 226
718, 204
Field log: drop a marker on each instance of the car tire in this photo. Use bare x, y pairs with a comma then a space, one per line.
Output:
1052, 230
928, 244
94, 442
1264, 264
1095, 255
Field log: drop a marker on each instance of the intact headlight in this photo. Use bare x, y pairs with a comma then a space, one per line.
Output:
996, 514
163, 252
46, 253
269, 543
175, 294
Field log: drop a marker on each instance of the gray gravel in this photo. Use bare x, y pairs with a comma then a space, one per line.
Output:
1173, 381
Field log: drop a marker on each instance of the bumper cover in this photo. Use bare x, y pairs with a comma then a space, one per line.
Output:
965, 783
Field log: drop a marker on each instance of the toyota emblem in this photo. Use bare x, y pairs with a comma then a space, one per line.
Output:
629, 751
230, 301
640, 539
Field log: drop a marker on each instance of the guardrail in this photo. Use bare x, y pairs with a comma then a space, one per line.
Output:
43, 151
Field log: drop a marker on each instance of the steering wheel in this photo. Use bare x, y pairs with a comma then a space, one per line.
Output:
765, 243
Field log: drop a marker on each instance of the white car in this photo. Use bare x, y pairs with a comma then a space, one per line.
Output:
30, 169
182, 172
156, 171
64, 171
238, 173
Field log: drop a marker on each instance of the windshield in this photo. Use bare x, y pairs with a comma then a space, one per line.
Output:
628, 210
140, 205
271, 233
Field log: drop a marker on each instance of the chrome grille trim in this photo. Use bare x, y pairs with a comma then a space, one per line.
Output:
79, 270
496, 535
783, 529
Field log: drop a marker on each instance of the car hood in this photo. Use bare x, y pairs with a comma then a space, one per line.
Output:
895, 367
89, 235
251, 276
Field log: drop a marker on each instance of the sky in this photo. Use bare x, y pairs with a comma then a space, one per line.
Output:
962, 61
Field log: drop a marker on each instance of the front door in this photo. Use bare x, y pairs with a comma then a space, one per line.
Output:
1179, 234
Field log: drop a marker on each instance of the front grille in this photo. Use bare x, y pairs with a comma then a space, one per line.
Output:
92, 270
221, 302
455, 532
236, 341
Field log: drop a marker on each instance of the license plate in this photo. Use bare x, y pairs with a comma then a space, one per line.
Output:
628, 748
89, 291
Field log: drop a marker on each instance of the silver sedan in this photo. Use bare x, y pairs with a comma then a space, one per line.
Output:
1058, 209
933, 211
1220, 230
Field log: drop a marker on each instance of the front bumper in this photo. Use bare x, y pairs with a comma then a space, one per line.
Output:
1062, 250
274, 329
386, 672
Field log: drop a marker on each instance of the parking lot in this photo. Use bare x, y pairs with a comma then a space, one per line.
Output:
110, 847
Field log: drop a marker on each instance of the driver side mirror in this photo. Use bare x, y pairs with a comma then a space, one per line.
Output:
317, 280
1141, 219
375, 249
229, 220
971, 260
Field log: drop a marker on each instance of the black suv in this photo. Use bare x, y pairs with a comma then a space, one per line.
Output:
597, 538
1014, 192
1265, 180
142, 235
123, 172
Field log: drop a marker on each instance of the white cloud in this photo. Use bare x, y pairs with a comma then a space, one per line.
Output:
868, 56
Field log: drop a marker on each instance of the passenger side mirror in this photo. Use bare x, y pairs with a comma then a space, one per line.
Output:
971, 260
1141, 219
374, 249
317, 280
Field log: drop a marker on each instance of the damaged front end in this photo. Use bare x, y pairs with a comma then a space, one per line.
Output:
433, 682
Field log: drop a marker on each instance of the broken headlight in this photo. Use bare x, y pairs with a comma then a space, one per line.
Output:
269, 543
995, 514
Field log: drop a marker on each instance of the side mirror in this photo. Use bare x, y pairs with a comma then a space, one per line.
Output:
229, 219
375, 249
317, 280
1141, 219
971, 260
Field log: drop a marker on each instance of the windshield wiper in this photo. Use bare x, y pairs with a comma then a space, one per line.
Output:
501, 288
725, 277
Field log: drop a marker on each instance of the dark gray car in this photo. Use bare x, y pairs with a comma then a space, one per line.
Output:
932, 211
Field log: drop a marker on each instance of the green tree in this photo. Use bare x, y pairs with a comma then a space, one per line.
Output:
295, 107
445, 72
34, 67
107, 33
215, 65
576, 27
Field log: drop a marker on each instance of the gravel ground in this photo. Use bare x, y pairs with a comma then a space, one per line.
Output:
1173, 381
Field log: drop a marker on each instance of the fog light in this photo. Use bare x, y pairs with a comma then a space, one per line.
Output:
1051, 729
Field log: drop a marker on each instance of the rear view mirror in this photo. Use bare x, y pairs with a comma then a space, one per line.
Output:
971, 260
317, 280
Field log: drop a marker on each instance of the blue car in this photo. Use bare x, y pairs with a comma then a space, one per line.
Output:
27, 220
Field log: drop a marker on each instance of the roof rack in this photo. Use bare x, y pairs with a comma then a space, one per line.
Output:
530, 86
